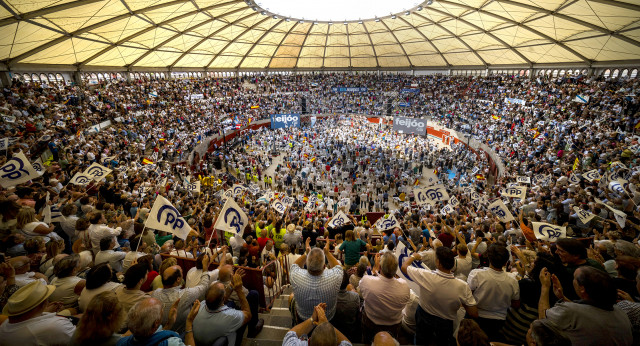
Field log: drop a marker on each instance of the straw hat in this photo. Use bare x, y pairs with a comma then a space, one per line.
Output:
27, 298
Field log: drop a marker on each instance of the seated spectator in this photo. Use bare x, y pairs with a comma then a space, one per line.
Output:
315, 285
145, 323
53, 249
23, 273
384, 298
98, 281
32, 321
107, 255
255, 324
101, 322
543, 332
129, 293
68, 285
133, 255
495, 291
268, 253
573, 255
592, 320
15, 245
323, 332
216, 320
30, 227
166, 263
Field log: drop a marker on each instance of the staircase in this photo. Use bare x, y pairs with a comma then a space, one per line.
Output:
277, 323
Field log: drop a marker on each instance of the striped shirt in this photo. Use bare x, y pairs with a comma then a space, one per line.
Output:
310, 290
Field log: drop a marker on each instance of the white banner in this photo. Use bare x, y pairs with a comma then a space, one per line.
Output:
549, 232
620, 216
97, 172
430, 178
16, 171
340, 219
448, 209
574, 179
165, 217
237, 189
80, 179
232, 218
431, 195
615, 186
523, 180
38, 166
453, 201
344, 202
193, 187
402, 253
501, 211
107, 160
286, 200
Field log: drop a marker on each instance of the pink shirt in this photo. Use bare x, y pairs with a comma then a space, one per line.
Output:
384, 298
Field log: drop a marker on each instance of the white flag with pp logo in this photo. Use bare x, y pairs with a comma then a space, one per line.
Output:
80, 179
238, 189
515, 191
279, 206
621, 217
591, 175
384, 224
584, 215
107, 160
574, 179
288, 201
618, 187
232, 218
38, 166
501, 211
431, 195
453, 201
402, 253
448, 209
523, 180
340, 219
345, 202
4, 143
16, 171
165, 217
97, 171
194, 187
549, 232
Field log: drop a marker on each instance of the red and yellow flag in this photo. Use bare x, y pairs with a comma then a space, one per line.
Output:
313, 159
146, 161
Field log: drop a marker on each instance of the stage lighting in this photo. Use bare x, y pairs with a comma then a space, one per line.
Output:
407, 13
263, 13
393, 16
419, 8
429, 2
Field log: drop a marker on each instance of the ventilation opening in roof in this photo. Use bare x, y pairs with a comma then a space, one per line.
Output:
337, 10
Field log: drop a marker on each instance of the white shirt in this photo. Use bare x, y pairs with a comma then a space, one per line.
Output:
114, 258
46, 329
97, 232
441, 294
384, 299
181, 253
194, 275
87, 295
463, 267
494, 290
65, 291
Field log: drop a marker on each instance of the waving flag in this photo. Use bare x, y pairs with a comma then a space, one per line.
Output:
38, 166
402, 253
385, 224
431, 178
146, 161
80, 179
279, 206
584, 215
340, 219
345, 202
501, 211
16, 171
621, 217
515, 192
548, 232
193, 187
232, 218
238, 189
97, 172
165, 217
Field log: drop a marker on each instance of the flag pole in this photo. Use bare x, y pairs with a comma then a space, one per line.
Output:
140, 240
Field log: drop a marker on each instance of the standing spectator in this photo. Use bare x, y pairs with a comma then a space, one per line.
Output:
494, 290
315, 285
384, 298
441, 295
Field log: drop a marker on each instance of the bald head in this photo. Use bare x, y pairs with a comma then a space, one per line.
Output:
172, 277
215, 295
20, 264
324, 335
225, 273
384, 339
145, 317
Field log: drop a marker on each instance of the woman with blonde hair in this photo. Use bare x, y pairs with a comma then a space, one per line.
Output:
31, 227
101, 321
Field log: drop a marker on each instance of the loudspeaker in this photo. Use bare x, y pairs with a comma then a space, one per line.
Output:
304, 106
389, 106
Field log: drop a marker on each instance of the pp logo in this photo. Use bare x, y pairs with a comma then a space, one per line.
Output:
386, 224
592, 175
228, 194
233, 219
550, 232
192, 187
435, 194
512, 191
498, 211
95, 171
237, 190
474, 196
83, 179
617, 187
172, 218
422, 197
338, 221
14, 169
454, 201
403, 256
37, 166
279, 207
583, 213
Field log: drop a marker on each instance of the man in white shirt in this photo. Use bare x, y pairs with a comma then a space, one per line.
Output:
98, 230
194, 274
384, 298
441, 295
107, 255
494, 290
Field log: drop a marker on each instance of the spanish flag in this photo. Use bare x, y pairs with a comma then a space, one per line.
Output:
575, 164
397, 147
305, 199
480, 177
288, 165
313, 159
161, 139
536, 135
250, 120
417, 182
637, 125
495, 117
255, 107
146, 161
306, 156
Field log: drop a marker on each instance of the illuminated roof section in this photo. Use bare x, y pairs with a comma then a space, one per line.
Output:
337, 11
230, 34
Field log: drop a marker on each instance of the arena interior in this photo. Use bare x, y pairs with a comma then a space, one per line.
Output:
282, 172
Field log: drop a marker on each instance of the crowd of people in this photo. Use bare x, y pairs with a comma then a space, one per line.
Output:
79, 265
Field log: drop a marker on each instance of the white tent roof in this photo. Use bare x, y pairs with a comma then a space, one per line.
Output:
219, 34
